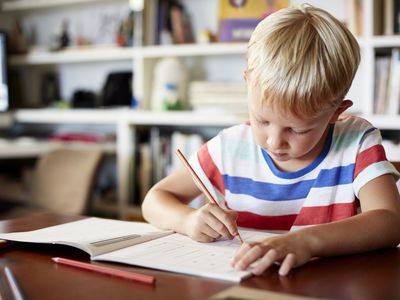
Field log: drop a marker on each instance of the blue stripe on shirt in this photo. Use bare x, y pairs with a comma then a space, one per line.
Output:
294, 191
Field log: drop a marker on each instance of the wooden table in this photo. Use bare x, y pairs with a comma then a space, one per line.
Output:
374, 275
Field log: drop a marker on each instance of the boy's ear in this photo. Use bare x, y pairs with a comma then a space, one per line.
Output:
245, 76
341, 109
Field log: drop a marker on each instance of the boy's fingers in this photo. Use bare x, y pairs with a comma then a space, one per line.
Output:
227, 219
233, 214
249, 257
265, 262
239, 253
204, 238
214, 223
219, 228
209, 231
288, 263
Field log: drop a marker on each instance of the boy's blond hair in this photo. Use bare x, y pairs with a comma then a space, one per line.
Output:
303, 60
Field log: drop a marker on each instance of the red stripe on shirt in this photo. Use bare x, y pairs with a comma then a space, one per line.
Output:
369, 156
325, 214
210, 169
251, 220
307, 216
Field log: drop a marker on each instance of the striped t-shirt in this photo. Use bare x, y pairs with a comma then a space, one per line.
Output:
242, 176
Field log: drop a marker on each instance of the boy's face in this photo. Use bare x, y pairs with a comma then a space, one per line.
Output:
287, 138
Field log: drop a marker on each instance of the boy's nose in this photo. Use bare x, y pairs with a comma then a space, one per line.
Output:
275, 142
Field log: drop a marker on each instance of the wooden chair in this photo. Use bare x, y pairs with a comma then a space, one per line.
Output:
62, 182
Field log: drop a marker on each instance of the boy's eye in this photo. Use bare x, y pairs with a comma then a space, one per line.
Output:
299, 132
263, 122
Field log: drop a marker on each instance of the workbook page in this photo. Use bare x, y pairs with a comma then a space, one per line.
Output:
92, 235
179, 253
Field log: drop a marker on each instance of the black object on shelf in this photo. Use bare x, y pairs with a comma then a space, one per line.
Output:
84, 99
50, 88
117, 90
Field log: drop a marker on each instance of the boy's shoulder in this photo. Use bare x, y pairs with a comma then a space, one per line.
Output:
240, 130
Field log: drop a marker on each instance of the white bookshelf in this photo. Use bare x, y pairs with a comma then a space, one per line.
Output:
143, 59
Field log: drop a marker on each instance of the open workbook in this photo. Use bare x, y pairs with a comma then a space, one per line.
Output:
144, 245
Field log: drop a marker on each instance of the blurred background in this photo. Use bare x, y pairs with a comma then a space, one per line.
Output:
135, 79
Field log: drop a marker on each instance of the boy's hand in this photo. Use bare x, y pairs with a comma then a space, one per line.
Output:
210, 222
289, 250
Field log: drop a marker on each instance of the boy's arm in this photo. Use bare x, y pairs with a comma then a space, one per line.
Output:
165, 206
376, 227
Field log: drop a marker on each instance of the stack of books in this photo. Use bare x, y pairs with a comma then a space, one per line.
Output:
220, 96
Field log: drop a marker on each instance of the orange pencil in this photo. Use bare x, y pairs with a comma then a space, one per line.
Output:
200, 184
105, 270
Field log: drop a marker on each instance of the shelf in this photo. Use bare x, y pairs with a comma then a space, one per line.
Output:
147, 118
184, 118
18, 5
385, 122
386, 41
78, 116
30, 148
128, 116
113, 53
194, 49
74, 55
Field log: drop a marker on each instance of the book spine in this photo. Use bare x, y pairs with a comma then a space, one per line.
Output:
396, 17
383, 71
388, 17
394, 85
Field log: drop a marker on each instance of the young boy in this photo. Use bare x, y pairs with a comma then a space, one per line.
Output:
296, 165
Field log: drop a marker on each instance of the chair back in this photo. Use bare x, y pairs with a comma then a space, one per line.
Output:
64, 178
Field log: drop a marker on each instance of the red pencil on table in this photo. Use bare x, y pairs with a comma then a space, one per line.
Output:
200, 184
106, 270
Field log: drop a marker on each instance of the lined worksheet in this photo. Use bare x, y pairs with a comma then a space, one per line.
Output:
178, 253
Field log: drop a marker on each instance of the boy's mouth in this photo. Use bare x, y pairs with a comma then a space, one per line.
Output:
278, 155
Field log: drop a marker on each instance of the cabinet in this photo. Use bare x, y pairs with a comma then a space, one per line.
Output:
221, 61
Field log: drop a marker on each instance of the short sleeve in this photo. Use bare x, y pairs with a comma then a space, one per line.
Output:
207, 165
371, 161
